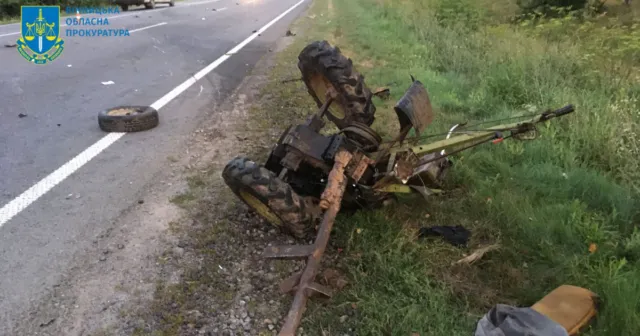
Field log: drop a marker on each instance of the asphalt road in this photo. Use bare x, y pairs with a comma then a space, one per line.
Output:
61, 101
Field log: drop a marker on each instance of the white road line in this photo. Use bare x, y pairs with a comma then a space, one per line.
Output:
221, 9
25, 199
125, 15
9, 34
147, 27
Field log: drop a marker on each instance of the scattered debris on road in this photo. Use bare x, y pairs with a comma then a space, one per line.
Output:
10, 45
289, 33
48, 323
22, 115
108, 83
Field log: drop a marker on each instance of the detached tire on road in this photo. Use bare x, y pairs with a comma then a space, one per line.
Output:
128, 119
324, 67
270, 197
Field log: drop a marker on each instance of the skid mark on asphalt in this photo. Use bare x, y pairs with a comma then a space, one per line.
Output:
17, 205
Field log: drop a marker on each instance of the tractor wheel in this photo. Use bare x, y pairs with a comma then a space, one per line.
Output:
128, 119
324, 68
270, 197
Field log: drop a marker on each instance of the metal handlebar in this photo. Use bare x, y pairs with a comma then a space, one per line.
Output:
564, 110
557, 113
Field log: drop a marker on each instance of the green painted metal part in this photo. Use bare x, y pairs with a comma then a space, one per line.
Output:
468, 139
405, 189
395, 188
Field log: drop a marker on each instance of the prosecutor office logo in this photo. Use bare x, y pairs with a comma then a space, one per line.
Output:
40, 41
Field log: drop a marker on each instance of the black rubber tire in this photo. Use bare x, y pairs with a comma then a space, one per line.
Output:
296, 215
150, 5
124, 7
145, 118
320, 58
172, 3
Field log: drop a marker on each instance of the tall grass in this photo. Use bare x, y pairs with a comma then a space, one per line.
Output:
545, 201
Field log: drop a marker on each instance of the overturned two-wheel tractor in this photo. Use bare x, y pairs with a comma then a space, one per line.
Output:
309, 177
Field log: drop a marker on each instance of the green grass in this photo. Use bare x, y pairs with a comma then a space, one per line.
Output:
543, 201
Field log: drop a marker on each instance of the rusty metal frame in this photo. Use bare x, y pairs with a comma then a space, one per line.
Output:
303, 283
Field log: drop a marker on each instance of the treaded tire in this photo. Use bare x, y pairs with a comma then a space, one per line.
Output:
244, 175
320, 62
143, 118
